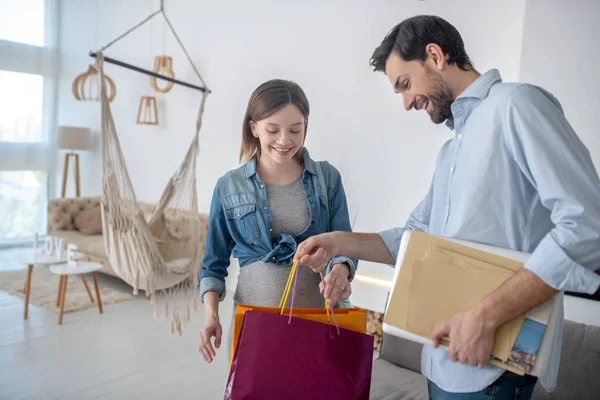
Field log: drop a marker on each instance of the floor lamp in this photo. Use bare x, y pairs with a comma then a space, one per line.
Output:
72, 138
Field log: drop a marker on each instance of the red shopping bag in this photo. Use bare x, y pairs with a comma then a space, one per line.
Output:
282, 357
301, 359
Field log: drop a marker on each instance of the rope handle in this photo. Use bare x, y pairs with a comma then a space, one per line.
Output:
329, 308
288, 285
291, 286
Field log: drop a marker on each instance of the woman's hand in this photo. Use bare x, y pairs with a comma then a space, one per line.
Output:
212, 329
335, 287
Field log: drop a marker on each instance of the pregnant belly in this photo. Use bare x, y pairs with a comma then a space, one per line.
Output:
262, 284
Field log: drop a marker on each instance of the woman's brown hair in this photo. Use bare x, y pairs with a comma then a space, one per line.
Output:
265, 101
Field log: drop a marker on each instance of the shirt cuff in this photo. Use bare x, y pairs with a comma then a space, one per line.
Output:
392, 238
210, 284
550, 262
342, 260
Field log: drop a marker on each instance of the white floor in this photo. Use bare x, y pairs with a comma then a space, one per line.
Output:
122, 354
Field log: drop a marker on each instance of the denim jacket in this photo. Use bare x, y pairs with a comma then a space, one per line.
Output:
240, 222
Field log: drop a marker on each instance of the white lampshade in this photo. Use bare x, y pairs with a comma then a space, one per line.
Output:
73, 138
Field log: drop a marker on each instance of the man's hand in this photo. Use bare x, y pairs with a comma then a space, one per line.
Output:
471, 334
316, 251
471, 338
335, 287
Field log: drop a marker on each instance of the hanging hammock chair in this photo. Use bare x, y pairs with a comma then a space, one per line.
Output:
159, 252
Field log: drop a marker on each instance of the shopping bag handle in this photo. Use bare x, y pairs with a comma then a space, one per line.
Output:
288, 285
291, 286
329, 307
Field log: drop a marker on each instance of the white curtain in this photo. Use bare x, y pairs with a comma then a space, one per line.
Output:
28, 78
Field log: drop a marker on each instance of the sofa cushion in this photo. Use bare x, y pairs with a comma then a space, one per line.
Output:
89, 222
390, 382
61, 212
578, 375
96, 247
88, 244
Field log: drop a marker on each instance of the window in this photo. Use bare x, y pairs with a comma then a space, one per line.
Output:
22, 21
21, 102
28, 76
23, 163
23, 204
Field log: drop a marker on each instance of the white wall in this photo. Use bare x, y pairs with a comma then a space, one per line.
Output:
560, 53
385, 154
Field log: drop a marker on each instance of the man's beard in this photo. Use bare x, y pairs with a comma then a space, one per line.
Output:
441, 98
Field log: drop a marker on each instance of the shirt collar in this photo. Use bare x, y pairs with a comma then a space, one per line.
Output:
476, 91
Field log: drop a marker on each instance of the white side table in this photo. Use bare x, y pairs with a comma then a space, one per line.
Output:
80, 268
36, 257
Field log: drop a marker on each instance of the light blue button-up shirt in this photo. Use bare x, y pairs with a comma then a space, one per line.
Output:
516, 176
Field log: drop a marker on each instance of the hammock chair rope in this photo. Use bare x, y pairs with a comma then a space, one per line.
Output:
160, 251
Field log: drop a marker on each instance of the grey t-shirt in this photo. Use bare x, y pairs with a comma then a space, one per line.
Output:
262, 284
289, 208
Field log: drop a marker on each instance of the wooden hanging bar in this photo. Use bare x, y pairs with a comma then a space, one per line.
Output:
150, 73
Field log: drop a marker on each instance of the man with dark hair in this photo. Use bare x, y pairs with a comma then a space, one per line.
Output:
515, 175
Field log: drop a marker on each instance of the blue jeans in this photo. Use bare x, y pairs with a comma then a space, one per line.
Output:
508, 387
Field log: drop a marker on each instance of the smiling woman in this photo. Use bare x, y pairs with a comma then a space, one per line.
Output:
259, 213
283, 131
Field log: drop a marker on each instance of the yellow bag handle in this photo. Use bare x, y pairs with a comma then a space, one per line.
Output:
288, 287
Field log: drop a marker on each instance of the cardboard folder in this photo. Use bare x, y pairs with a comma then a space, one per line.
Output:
435, 278
507, 333
431, 282
429, 292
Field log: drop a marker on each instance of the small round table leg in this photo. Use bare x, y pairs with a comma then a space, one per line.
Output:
97, 291
60, 285
27, 289
62, 298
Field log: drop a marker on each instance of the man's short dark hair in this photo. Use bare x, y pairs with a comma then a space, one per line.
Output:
410, 38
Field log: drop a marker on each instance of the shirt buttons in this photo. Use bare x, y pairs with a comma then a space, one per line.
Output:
452, 169
459, 137
238, 215
273, 258
270, 230
266, 208
262, 185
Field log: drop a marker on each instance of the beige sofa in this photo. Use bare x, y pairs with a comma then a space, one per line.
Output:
60, 223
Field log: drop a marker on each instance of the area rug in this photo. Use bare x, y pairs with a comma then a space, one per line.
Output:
44, 290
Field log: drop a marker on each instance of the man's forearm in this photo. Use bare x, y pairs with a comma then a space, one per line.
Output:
516, 296
363, 246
